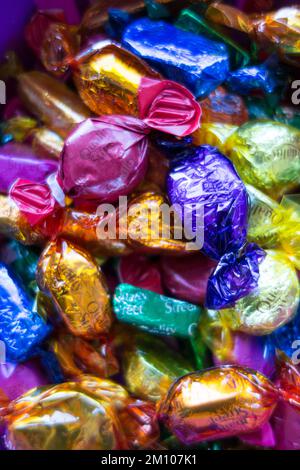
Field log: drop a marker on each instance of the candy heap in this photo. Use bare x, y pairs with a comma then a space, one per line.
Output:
150, 230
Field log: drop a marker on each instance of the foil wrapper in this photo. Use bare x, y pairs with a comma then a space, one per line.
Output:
73, 280
51, 102
213, 199
266, 155
275, 301
199, 63
21, 329
217, 403
155, 313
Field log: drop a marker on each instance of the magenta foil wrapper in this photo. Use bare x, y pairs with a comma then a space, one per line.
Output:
254, 352
16, 379
20, 161
104, 158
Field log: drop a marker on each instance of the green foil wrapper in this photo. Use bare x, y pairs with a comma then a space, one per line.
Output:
155, 313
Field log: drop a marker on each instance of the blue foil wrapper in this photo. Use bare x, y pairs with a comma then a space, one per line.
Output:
287, 338
117, 23
248, 79
235, 277
21, 329
212, 199
199, 63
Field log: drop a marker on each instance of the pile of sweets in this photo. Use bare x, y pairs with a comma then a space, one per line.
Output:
150, 228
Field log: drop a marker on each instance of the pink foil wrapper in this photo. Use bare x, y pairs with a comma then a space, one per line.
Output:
104, 158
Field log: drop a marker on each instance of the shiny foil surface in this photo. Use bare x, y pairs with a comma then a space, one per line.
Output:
77, 287
89, 414
21, 329
51, 101
155, 313
150, 367
205, 185
108, 79
195, 61
266, 154
217, 403
275, 301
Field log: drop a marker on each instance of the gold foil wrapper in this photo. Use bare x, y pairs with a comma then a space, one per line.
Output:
266, 155
280, 30
51, 102
14, 225
77, 356
214, 134
226, 15
47, 142
108, 79
215, 332
144, 227
217, 403
263, 226
273, 304
82, 228
150, 367
288, 224
77, 286
69, 416
20, 127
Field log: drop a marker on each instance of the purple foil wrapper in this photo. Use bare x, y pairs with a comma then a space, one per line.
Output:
16, 379
254, 352
20, 161
234, 277
207, 188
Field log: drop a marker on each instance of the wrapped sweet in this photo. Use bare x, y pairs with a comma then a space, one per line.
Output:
186, 278
145, 228
150, 367
204, 184
77, 286
262, 226
22, 260
155, 313
252, 78
77, 356
17, 379
179, 54
102, 414
280, 30
273, 303
217, 403
191, 20
285, 421
18, 160
21, 329
15, 225
140, 271
51, 101
47, 142
266, 155
223, 107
